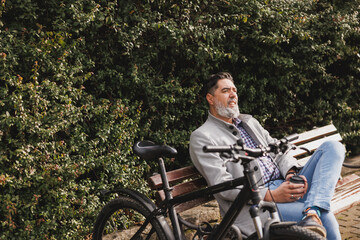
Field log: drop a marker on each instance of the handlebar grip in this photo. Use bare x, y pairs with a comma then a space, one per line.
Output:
292, 137
217, 148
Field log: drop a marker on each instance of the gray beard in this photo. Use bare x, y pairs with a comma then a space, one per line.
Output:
227, 111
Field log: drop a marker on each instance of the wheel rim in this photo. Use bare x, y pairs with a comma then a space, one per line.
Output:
124, 223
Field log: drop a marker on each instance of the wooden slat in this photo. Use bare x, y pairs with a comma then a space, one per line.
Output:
347, 194
173, 176
185, 188
315, 134
312, 146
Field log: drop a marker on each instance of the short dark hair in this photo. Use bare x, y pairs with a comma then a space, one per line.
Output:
211, 84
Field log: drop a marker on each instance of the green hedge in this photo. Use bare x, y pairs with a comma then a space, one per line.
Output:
60, 145
81, 81
296, 63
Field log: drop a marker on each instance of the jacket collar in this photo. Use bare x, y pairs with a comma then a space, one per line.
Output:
242, 117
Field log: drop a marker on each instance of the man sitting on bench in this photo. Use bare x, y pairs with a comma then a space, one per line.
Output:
308, 204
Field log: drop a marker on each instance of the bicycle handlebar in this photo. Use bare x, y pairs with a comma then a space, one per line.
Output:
279, 146
253, 152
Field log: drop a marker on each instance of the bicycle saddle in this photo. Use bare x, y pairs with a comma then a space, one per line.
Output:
149, 150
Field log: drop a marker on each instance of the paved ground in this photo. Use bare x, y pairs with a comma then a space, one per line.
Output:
349, 220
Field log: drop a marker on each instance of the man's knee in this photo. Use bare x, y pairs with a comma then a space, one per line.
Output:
334, 147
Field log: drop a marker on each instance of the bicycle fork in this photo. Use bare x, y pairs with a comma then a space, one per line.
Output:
263, 231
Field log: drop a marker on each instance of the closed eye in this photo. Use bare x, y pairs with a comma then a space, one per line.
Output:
225, 90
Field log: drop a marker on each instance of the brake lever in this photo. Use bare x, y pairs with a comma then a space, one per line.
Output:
227, 157
235, 158
292, 147
226, 161
306, 149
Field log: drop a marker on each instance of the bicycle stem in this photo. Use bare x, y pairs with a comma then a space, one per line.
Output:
249, 173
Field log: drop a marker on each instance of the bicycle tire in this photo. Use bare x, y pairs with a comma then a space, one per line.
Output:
350, 165
121, 217
293, 232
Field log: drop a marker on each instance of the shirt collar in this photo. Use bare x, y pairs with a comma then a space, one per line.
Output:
236, 121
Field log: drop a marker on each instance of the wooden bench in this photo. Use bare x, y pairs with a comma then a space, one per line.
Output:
188, 179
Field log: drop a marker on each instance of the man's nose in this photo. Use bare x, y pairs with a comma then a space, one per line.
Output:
233, 94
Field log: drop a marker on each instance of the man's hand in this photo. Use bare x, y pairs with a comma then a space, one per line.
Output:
287, 191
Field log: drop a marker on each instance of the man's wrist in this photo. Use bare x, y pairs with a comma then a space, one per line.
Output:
269, 197
292, 171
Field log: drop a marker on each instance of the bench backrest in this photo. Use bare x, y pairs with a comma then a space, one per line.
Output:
188, 179
312, 139
182, 180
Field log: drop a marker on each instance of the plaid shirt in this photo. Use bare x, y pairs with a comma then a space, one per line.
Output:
268, 168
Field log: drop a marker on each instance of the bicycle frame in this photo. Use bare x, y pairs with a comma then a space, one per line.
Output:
248, 196
250, 191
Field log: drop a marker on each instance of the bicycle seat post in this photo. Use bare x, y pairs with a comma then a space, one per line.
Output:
167, 190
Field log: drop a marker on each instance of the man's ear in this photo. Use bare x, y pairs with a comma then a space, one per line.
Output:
210, 99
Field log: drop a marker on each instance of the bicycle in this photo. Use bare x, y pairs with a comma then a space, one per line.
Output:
136, 217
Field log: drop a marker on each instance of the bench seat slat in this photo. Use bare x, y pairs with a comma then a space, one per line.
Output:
347, 194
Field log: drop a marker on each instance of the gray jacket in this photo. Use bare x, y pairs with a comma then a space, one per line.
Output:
217, 132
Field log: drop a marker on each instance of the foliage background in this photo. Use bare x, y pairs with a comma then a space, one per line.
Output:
81, 81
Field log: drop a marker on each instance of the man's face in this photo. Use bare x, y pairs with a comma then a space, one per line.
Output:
225, 99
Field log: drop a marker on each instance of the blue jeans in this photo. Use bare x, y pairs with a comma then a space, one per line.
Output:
322, 172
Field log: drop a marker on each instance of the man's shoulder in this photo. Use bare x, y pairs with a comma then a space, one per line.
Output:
205, 127
246, 117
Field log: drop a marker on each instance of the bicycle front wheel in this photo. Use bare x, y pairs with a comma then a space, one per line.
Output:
121, 218
293, 232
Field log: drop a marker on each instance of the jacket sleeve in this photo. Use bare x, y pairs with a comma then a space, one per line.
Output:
284, 161
210, 165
